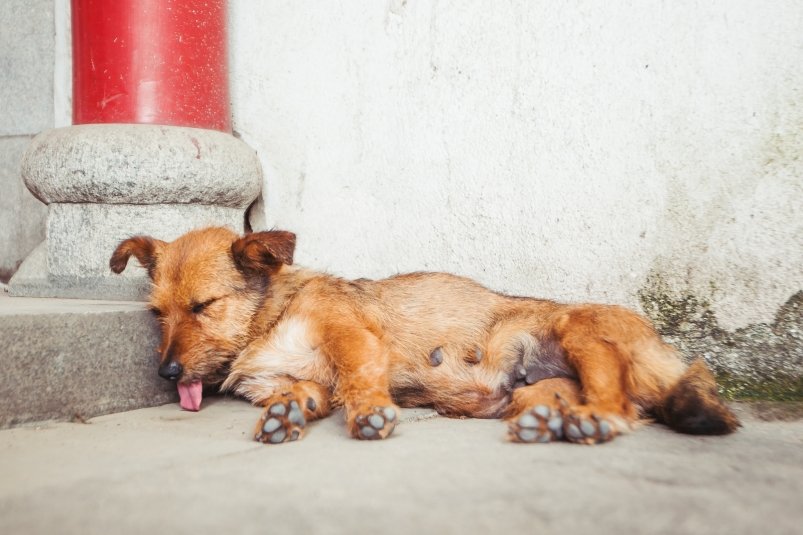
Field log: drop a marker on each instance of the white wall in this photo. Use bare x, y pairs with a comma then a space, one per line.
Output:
560, 149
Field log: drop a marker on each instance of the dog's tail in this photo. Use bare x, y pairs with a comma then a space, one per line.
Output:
693, 406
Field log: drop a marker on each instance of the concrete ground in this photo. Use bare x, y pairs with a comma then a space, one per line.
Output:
161, 470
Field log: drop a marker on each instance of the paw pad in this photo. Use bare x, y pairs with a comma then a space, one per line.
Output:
379, 423
540, 424
587, 429
282, 421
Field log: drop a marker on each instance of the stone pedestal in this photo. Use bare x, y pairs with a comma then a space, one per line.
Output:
106, 182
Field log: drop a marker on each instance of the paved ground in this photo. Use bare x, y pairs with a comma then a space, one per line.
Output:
161, 470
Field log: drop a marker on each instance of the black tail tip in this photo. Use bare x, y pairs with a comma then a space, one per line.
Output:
706, 422
693, 406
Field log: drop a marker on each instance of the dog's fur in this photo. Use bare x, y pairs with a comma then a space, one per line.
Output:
236, 313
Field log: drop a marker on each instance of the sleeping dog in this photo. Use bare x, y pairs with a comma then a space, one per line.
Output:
235, 313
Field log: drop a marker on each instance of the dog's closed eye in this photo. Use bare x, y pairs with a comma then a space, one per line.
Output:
155, 311
198, 308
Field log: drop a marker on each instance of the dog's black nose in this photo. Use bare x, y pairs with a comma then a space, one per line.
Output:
170, 370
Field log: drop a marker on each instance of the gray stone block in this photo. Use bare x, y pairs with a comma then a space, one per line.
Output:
22, 216
105, 183
63, 358
75, 263
34, 280
141, 164
27, 44
83, 236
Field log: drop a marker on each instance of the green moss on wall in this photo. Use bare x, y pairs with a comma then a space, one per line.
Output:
735, 388
762, 361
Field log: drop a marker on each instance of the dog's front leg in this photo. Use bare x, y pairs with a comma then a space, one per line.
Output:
289, 408
363, 384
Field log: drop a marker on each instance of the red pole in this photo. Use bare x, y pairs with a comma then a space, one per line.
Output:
151, 61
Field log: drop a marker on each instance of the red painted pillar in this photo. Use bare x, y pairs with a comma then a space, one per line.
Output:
151, 61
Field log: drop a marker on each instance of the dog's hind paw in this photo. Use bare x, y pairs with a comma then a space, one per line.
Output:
540, 424
377, 423
583, 426
282, 421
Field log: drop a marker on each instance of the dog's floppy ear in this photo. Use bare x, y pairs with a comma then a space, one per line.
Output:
264, 251
144, 248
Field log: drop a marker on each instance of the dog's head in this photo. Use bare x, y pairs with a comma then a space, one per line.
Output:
207, 287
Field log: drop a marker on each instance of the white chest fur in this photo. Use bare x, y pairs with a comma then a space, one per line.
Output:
268, 362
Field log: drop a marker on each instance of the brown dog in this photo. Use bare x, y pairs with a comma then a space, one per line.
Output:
235, 313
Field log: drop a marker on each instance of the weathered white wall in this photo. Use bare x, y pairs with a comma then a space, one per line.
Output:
559, 149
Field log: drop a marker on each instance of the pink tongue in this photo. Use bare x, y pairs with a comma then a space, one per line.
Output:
190, 395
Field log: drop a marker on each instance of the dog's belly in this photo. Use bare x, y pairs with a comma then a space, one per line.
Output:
456, 382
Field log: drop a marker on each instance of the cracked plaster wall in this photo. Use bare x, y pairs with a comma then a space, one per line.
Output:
572, 150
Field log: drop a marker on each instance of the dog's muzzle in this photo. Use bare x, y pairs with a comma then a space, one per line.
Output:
170, 370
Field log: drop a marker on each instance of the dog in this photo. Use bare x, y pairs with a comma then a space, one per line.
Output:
237, 315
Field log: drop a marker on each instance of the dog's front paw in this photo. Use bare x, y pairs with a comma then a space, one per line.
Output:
540, 424
374, 423
282, 421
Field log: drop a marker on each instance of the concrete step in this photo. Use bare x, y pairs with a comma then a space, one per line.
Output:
74, 359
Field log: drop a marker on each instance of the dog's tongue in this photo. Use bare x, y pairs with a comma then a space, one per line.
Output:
190, 395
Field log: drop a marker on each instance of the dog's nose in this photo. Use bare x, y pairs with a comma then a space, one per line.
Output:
170, 370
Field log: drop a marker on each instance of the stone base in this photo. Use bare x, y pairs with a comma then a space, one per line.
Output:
74, 262
33, 280
66, 358
105, 183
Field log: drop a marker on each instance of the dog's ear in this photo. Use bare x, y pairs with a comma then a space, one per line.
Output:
264, 251
144, 248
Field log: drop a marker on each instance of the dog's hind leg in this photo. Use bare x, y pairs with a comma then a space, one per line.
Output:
535, 411
363, 384
289, 408
598, 341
